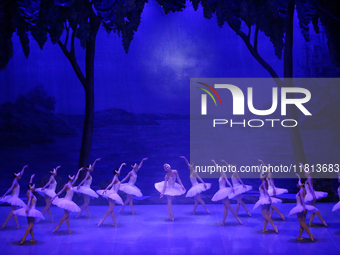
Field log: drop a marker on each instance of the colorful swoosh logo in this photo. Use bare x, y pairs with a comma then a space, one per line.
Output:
208, 92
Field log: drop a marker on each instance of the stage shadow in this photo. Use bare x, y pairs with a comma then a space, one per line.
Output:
304, 240
269, 232
64, 232
337, 233
27, 243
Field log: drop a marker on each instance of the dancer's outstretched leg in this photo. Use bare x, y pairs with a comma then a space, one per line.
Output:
241, 203
47, 208
195, 206
170, 213
265, 214
200, 200
85, 206
228, 206
109, 211
127, 201
30, 221
273, 207
131, 203
66, 215
225, 214
9, 216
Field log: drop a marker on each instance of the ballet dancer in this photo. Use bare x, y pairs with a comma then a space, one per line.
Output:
48, 191
30, 212
266, 201
170, 187
301, 210
312, 196
129, 188
223, 194
196, 189
112, 196
337, 205
84, 188
272, 190
239, 188
13, 199
66, 203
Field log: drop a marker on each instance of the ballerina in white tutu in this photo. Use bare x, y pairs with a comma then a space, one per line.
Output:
301, 210
312, 196
197, 188
66, 203
13, 199
223, 194
272, 190
170, 187
266, 201
48, 191
337, 205
112, 196
84, 188
129, 188
30, 212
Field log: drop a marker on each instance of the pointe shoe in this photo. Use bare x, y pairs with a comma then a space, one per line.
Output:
249, 213
100, 222
324, 223
32, 241
121, 209
2, 226
17, 227
276, 230
88, 216
310, 224
133, 212
300, 239
114, 224
239, 221
56, 229
22, 241
282, 217
222, 223
312, 238
264, 230
70, 231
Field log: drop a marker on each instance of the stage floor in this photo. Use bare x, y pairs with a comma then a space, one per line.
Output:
150, 232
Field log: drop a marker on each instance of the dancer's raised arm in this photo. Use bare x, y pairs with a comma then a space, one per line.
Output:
94, 163
77, 175
186, 161
23, 170
141, 163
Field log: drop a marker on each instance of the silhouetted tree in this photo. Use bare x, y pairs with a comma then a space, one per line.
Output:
76, 19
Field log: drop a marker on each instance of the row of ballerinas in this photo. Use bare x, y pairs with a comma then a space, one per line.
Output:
168, 187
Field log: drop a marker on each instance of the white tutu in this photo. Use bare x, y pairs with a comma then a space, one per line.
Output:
13, 200
31, 213
131, 190
318, 194
264, 200
114, 196
47, 192
66, 204
336, 207
221, 194
196, 189
175, 190
239, 189
299, 208
107, 193
278, 191
86, 190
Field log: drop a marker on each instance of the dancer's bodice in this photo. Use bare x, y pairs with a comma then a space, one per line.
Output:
133, 178
298, 199
16, 190
172, 180
88, 182
193, 181
234, 181
33, 201
307, 186
69, 193
221, 182
52, 185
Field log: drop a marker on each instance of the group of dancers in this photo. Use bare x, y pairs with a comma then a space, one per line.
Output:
305, 198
